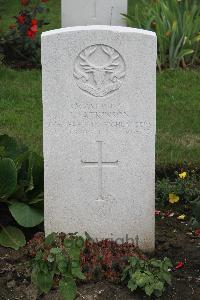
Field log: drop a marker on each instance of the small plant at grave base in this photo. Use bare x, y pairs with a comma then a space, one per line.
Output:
151, 275
105, 260
21, 190
20, 46
57, 263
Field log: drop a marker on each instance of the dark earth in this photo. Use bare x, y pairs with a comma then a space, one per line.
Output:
174, 239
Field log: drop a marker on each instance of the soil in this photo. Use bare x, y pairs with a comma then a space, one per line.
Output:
174, 239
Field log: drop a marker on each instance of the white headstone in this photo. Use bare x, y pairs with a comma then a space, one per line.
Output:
99, 101
93, 12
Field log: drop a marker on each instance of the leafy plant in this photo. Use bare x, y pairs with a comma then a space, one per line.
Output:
21, 187
57, 262
99, 260
20, 46
105, 260
151, 275
12, 237
177, 25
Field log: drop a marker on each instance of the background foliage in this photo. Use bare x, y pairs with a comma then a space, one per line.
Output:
20, 45
177, 25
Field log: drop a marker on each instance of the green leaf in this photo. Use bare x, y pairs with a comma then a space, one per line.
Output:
50, 239
168, 262
55, 251
37, 200
159, 286
12, 149
63, 267
125, 273
158, 293
72, 249
26, 215
133, 261
185, 52
12, 237
79, 242
44, 281
68, 243
67, 288
149, 289
140, 279
155, 263
132, 285
35, 174
8, 177
76, 270
166, 276
74, 253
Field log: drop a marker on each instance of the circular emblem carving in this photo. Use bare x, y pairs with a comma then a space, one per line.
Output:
99, 70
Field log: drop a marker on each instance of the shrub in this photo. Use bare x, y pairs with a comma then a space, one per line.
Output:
21, 189
177, 25
21, 45
99, 260
150, 275
59, 260
61, 257
57, 263
105, 260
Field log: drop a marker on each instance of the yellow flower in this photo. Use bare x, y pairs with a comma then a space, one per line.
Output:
182, 175
181, 217
173, 198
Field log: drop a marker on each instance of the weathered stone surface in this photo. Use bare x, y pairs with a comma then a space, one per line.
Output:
99, 132
93, 12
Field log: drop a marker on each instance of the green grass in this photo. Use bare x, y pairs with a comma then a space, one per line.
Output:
21, 106
178, 102
178, 116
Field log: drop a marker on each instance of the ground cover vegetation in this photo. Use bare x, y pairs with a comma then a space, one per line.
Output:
61, 259
174, 239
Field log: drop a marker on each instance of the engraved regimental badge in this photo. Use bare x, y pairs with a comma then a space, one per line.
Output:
99, 70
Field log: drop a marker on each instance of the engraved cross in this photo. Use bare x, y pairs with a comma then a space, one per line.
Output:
100, 164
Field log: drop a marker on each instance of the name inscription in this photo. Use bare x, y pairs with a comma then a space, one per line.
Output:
100, 118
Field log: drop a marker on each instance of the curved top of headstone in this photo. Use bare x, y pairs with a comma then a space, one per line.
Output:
100, 28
